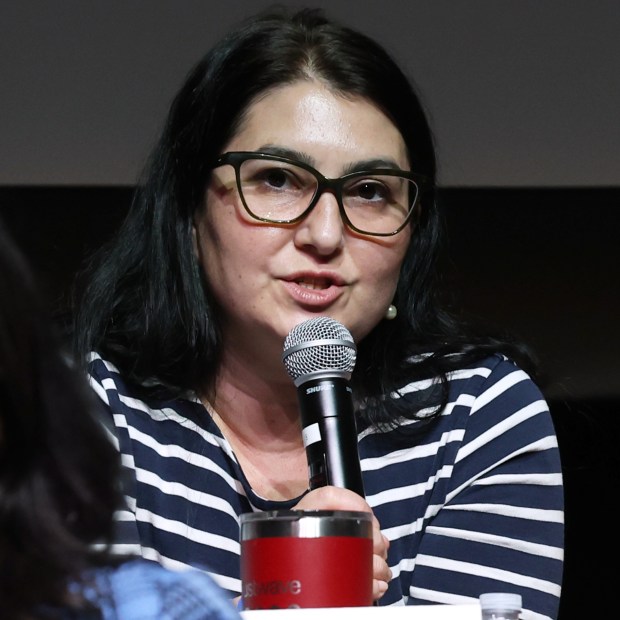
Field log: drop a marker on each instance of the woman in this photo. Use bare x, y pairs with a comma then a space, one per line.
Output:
294, 179
59, 486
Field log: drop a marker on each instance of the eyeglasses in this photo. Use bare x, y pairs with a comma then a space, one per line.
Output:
279, 190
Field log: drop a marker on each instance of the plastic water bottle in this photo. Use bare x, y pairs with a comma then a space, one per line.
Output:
500, 606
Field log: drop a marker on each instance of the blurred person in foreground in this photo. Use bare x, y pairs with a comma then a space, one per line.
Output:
59, 485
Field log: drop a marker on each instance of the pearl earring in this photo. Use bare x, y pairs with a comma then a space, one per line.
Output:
391, 312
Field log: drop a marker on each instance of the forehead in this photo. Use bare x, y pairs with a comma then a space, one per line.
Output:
309, 117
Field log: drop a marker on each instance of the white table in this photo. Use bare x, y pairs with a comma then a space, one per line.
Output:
411, 612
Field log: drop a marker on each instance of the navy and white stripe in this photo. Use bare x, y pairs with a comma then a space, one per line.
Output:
472, 502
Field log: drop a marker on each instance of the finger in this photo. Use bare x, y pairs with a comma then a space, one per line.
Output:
381, 576
379, 588
380, 569
332, 498
380, 542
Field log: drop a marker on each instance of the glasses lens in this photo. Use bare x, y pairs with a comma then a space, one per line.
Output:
276, 191
378, 204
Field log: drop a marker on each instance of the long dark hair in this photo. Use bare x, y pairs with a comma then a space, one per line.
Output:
58, 471
146, 307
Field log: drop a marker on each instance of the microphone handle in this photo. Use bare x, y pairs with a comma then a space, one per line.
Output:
330, 433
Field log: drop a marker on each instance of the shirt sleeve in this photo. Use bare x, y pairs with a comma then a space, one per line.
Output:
500, 524
101, 377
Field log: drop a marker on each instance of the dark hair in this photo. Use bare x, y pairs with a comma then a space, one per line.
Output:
147, 308
57, 469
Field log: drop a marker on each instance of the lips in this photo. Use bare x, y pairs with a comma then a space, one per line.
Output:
315, 290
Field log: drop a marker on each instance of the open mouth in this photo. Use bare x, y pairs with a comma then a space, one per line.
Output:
315, 284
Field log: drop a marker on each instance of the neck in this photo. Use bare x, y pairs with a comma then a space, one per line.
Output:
258, 414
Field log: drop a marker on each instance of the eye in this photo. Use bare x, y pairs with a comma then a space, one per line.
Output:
368, 190
276, 178
371, 190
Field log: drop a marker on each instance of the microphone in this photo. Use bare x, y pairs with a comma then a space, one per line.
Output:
319, 355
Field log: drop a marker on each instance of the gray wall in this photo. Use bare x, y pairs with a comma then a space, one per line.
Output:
524, 97
521, 92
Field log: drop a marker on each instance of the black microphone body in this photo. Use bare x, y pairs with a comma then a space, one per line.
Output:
332, 456
320, 354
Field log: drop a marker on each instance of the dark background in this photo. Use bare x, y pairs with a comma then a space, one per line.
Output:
523, 96
542, 263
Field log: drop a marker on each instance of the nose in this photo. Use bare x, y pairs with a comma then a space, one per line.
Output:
322, 228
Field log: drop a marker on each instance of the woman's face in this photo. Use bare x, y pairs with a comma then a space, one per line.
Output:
267, 278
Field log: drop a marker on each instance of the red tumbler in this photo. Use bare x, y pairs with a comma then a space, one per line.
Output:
306, 558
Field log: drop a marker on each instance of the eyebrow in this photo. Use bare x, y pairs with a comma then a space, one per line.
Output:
363, 164
371, 164
282, 151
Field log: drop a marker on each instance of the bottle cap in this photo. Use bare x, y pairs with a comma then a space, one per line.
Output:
501, 600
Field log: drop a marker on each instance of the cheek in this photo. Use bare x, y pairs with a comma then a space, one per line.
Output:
383, 264
211, 246
234, 253
377, 293
384, 282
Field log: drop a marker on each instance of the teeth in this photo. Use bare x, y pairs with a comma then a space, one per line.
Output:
314, 283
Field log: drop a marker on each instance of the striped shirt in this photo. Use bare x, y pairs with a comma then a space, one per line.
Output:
471, 502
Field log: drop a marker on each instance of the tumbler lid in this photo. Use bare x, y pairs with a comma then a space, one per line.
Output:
305, 523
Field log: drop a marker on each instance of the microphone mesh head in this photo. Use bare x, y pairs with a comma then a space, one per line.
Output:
319, 345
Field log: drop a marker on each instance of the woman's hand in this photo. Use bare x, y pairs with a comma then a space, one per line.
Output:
334, 498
